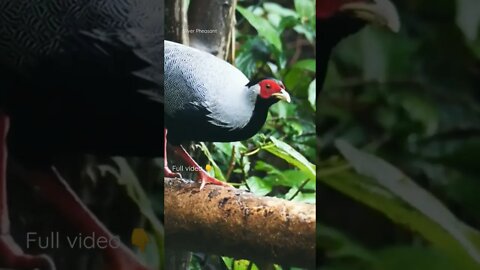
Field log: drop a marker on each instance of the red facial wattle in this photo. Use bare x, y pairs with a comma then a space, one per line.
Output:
268, 88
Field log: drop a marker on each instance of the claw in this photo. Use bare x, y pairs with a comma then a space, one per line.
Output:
207, 179
168, 173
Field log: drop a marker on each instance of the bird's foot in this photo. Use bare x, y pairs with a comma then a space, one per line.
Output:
205, 178
168, 173
12, 256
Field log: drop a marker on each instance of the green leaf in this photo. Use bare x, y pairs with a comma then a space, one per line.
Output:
294, 178
278, 9
307, 64
281, 110
228, 262
218, 172
263, 27
274, 19
304, 197
363, 190
305, 8
426, 205
308, 32
292, 156
288, 22
244, 265
258, 186
246, 63
246, 60
294, 80
281, 17
289, 178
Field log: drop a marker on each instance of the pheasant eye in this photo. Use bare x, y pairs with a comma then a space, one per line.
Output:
268, 86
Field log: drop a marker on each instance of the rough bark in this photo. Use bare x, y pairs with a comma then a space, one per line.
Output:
236, 223
176, 21
211, 25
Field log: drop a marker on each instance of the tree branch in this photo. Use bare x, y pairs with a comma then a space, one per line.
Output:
211, 23
175, 15
236, 223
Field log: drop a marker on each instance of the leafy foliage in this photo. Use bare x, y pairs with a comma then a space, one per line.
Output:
126, 177
411, 99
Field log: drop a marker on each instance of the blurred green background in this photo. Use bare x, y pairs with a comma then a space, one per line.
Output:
408, 195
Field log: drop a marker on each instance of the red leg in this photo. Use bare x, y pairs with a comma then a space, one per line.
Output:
54, 189
204, 177
11, 255
166, 171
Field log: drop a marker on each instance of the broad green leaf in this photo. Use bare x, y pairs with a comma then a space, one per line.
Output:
278, 9
294, 178
410, 193
226, 149
292, 156
289, 22
228, 262
268, 168
263, 27
253, 51
280, 109
307, 64
305, 8
289, 178
293, 77
233, 264
246, 63
274, 19
258, 186
295, 82
363, 190
308, 32
297, 196
244, 265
